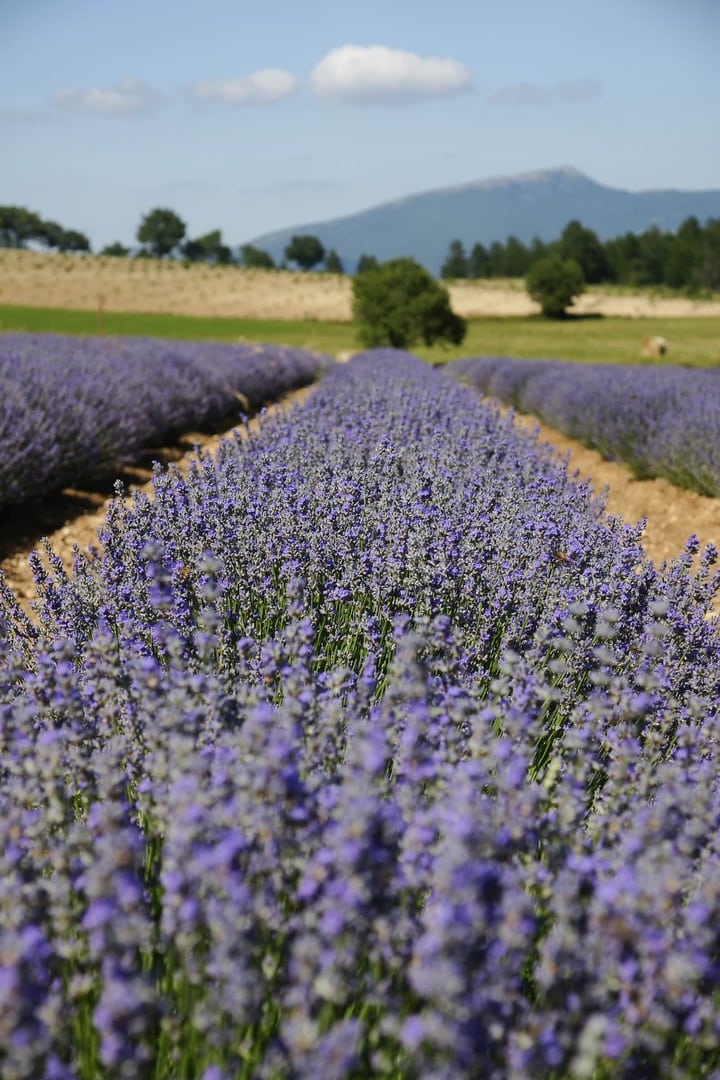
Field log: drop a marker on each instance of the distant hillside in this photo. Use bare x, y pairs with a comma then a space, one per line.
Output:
531, 204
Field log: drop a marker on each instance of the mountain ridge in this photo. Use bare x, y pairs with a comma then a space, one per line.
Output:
535, 203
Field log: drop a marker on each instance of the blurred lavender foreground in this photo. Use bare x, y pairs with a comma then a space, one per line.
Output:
660, 420
73, 408
369, 749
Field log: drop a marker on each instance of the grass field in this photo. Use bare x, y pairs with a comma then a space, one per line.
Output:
606, 339
327, 337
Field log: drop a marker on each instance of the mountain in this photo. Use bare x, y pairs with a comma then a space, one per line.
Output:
528, 205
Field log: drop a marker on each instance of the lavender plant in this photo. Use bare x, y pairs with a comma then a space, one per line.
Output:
331, 766
661, 421
73, 408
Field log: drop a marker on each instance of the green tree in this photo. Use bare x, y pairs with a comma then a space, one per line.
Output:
160, 232
654, 248
18, 226
554, 283
254, 258
623, 253
496, 260
399, 303
685, 255
306, 251
366, 262
517, 258
50, 234
583, 246
72, 240
333, 262
456, 263
478, 262
707, 273
208, 248
116, 249
538, 250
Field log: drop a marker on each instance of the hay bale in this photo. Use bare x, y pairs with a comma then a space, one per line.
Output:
654, 346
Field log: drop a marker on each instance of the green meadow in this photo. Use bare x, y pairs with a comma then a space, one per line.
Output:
693, 342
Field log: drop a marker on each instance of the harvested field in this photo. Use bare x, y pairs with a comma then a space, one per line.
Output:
87, 283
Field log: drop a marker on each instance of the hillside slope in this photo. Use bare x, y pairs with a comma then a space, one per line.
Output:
528, 205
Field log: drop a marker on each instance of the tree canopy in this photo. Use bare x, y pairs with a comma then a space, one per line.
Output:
686, 258
366, 262
554, 283
399, 303
160, 232
116, 249
582, 245
20, 227
456, 263
254, 258
333, 263
306, 251
72, 240
208, 248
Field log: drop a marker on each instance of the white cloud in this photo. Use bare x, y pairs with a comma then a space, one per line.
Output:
131, 97
378, 74
262, 87
525, 93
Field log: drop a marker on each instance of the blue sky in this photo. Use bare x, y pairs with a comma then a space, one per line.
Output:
254, 116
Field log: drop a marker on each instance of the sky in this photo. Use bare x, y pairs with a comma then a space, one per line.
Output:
251, 117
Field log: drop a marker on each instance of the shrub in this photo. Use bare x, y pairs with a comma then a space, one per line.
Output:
399, 303
555, 283
330, 765
72, 408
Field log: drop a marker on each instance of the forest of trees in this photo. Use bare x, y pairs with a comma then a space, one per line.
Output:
162, 234
688, 258
20, 227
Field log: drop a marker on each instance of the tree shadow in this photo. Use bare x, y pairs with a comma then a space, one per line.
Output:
568, 316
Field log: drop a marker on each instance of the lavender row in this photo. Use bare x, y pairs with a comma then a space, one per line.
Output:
371, 748
74, 408
661, 421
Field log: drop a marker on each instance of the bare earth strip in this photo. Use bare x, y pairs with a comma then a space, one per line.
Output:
673, 514
83, 283
81, 530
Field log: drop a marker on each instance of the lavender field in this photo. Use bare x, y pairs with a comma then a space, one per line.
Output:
661, 421
369, 748
72, 409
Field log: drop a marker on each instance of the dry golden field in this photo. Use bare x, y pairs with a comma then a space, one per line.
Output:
84, 283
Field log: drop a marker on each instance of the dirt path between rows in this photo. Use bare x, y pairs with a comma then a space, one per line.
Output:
672, 513
72, 518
